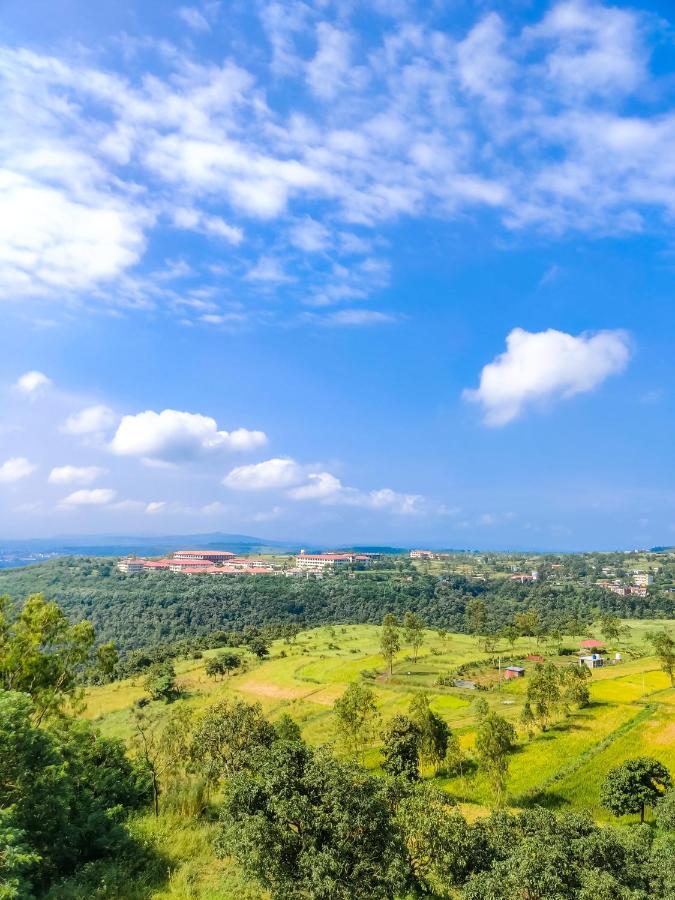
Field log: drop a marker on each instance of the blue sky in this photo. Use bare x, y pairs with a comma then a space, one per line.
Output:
379, 272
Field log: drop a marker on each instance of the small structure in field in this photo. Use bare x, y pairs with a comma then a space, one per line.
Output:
591, 644
594, 661
463, 683
511, 672
535, 657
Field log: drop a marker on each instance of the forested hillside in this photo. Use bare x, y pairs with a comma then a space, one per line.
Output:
137, 611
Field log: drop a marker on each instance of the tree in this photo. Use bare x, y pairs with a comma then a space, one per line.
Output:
634, 785
481, 707
287, 729
42, 654
413, 632
107, 658
222, 664
665, 811
495, 738
543, 692
664, 647
400, 748
574, 685
63, 790
390, 641
527, 719
160, 682
434, 731
511, 633
528, 623
443, 849
304, 824
355, 717
476, 616
259, 647
611, 627
229, 736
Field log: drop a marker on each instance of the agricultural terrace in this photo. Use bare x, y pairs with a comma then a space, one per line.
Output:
632, 708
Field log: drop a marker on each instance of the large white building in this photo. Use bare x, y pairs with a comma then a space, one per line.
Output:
214, 556
643, 579
317, 562
131, 566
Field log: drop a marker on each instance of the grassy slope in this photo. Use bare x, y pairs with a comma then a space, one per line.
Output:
632, 713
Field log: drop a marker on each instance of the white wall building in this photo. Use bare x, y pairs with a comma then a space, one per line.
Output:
131, 566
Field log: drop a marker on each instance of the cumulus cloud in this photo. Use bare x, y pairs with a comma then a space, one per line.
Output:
75, 474
541, 367
92, 497
15, 469
303, 482
280, 472
90, 421
173, 436
32, 382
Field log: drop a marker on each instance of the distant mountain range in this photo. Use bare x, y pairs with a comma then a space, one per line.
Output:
31, 550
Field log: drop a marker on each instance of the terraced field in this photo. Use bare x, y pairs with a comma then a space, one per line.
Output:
632, 708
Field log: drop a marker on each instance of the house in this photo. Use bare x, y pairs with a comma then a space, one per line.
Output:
213, 556
180, 565
535, 657
643, 579
591, 644
131, 565
422, 554
157, 565
524, 579
320, 561
463, 683
594, 661
511, 672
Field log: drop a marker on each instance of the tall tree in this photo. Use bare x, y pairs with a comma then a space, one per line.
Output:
390, 641
638, 783
664, 647
401, 748
413, 632
356, 716
495, 738
434, 731
476, 616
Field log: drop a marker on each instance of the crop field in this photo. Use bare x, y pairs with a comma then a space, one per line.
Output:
632, 709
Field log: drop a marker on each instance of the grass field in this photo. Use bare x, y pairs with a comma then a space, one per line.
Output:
632, 712
305, 678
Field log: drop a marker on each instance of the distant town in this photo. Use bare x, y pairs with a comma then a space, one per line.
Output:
629, 574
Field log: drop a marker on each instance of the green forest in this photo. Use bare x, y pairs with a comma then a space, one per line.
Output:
154, 608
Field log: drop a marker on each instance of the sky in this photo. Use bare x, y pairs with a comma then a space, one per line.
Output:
384, 272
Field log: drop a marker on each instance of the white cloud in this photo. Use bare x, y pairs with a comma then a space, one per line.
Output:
352, 317
328, 71
484, 67
310, 235
14, 469
75, 474
52, 239
303, 482
155, 506
32, 382
93, 497
173, 436
544, 366
92, 420
280, 472
195, 220
193, 18
319, 485
595, 48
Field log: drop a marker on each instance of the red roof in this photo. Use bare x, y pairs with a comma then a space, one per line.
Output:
590, 643
190, 563
158, 563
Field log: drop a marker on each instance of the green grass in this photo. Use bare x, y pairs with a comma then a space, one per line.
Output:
632, 713
305, 678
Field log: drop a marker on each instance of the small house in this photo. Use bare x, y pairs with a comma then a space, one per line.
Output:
594, 661
463, 683
512, 672
535, 657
